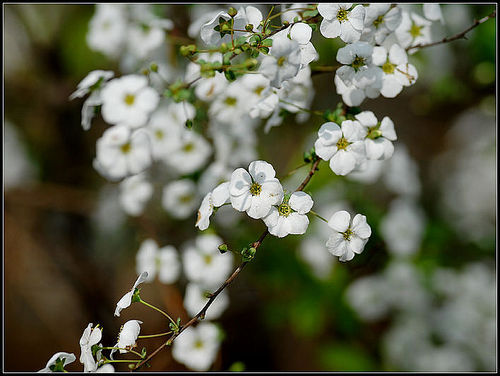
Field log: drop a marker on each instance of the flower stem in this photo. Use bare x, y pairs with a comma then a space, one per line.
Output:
302, 108
120, 348
159, 310
317, 215
122, 361
155, 335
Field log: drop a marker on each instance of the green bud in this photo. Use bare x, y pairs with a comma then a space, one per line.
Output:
187, 50
225, 27
223, 248
238, 51
154, 67
314, 27
248, 253
145, 71
264, 50
230, 76
254, 53
223, 47
189, 124
136, 297
232, 12
286, 23
307, 157
143, 352
249, 27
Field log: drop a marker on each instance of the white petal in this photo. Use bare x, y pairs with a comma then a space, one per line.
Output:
241, 202
379, 55
301, 202
342, 163
367, 118
375, 148
301, 32
297, 223
261, 171
397, 55
340, 221
387, 129
220, 194
356, 17
336, 245
360, 227
328, 10
324, 152
330, 28
329, 133
346, 74
432, 11
356, 244
240, 182
259, 208
272, 190
348, 33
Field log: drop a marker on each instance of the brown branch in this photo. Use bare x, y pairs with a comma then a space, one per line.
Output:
457, 36
201, 315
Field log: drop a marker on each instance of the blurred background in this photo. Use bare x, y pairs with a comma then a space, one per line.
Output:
421, 297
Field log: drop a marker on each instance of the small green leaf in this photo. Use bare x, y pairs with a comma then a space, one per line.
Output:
267, 42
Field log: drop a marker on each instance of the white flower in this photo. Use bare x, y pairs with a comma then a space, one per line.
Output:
413, 30
128, 100
190, 154
283, 61
121, 152
93, 80
180, 198
380, 20
246, 15
290, 217
349, 237
257, 191
214, 199
343, 147
356, 58
62, 358
126, 299
107, 29
106, 368
195, 299
90, 337
144, 38
197, 346
378, 135
128, 335
402, 227
340, 20
231, 104
300, 32
164, 261
204, 264
396, 70
135, 191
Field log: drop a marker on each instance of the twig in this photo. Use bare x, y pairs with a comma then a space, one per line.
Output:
227, 282
457, 36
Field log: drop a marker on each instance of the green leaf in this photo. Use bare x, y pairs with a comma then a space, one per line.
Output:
267, 42
310, 13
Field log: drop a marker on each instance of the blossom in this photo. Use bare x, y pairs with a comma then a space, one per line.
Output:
135, 191
154, 260
380, 20
180, 198
90, 337
413, 30
231, 104
58, 360
339, 20
91, 82
343, 147
356, 58
128, 335
350, 237
197, 346
214, 199
290, 216
128, 100
106, 368
257, 191
433, 12
300, 32
126, 299
191, 152
402, 227
195, 299
107, 29
204, 264
120, 152
283, 61
397, 72
378, 136
145, 37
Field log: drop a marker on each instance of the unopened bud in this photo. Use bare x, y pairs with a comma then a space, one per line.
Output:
232, 12
249, 27
223, 248
248, 253
154, 67
189, 124
225, 27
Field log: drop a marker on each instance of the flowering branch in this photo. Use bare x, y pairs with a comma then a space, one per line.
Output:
201, 314
457, 36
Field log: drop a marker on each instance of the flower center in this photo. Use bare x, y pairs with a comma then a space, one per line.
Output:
342, 144
378, 21
186, 198
347, 234
415, 30
374, 132
198, 344
258, 90
188, 147
230, 101
281, 61
125, 148
207, 259
284, 210
159, 134
129, 99
388, 67
342, 15
255, 189
358, 62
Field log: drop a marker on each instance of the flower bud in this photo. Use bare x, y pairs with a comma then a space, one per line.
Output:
223, 248
154, 67
249, 27
232, 12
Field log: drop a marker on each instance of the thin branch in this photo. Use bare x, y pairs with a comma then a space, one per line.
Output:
457, 36
201, 315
